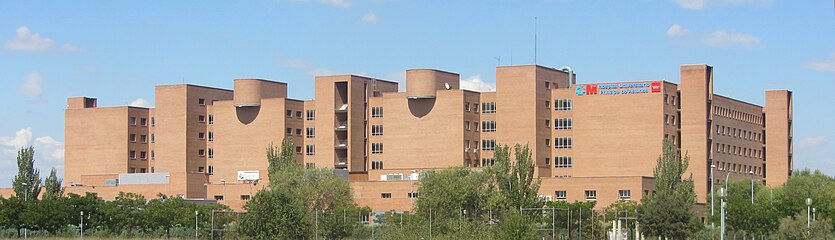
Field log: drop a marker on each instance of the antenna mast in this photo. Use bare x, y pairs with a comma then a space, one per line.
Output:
534, 40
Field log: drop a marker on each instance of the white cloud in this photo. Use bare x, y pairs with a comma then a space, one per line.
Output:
822, 65
70, 48
139, 102
25, 40
49, 153
32, 85
336, 3
677, 31
810, 142
370, 18
702, 4
474, 83
723, 38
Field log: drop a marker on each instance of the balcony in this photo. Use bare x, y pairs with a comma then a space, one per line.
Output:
342, 126
341, 144
342, 109
342, 162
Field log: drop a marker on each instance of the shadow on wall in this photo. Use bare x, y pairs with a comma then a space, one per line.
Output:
247, 114
421, 106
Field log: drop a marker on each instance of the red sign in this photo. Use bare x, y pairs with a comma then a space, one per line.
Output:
591, 89
656, 87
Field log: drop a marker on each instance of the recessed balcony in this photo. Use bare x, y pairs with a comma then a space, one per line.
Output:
342, 126
341, 144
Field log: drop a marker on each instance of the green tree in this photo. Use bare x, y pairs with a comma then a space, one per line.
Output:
52, 186
669, 212
27, 183
123, 214
275, 214
514, 225
760, 218
166, 213
447, 194
790, 199
794, 228
11, 210
517, 187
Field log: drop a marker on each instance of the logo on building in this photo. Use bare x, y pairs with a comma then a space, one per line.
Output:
591, 89
581, 89
656, 87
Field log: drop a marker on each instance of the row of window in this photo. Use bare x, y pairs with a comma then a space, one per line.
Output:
142, 154
591, 195
562, 162
563, 142
670, 119
467, 145
467, 107
739, 133
670, 99
738, 151
739, 168
133, 170
142, 121
290, 114
244, 197
410, 195
737, 115
563, 104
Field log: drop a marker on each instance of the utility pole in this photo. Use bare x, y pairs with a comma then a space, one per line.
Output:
82, 224
195, 224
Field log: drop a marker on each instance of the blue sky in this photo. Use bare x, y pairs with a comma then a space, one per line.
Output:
118, 50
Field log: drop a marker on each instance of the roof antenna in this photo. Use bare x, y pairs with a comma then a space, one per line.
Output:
499, 60
534, 40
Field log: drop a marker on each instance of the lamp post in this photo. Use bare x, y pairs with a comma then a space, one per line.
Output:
25, 199
808, 213
82, 224
752, 186
712, 225
723, 192
167, 183
222, 181
195, 224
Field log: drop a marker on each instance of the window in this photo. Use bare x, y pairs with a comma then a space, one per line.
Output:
310, 165
591, 195
673, 120
211, 119
488, 107
218, 197
563, 104
201, 135
673, 100
376, 112
211, 153
563, 142
289, 113
376, 165
488, 162
288, 131
475, 107
201, 101
132, 137
547, 161
201, 169
624, 194
143, 138
547, 142
311, 114
298, 131
547, 123
143, 121
467, 125
376, 130
298, 114
152, 155
309, 150
143, 155
132, 154
560, 195
666, 119
142, 170
201, 118
413, 195
376, 148
311, 132
153, 122
132, 120
488, 144
298, 149
488, 126
201, 152
385, 195
547, 85
211, 136
547, 104
466, 106
245, 197
132, 170
563, 123
562, 162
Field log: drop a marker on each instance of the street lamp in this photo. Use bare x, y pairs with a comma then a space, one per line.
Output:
712, 166
25, 199
723, 192
82, 224
808, 213
195, 224
167, 183
752, 186
224, 189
